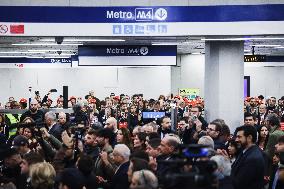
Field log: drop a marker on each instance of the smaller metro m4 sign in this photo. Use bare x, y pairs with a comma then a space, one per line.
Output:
17, 28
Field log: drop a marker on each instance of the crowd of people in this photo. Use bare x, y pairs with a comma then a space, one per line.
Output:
110, 144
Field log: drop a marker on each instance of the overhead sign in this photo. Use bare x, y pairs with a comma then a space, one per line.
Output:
35, 62
132, 55
190, 93
142, 21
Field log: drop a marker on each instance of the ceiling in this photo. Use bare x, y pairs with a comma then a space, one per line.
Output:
47, 46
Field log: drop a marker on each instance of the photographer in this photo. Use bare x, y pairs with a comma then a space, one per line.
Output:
197, 111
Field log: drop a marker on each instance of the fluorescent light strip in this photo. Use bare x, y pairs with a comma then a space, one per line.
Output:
282, 47
82, 40
21, 52
166, 43
47, 57
17, 56
265, 45
49, 50
47, 44
244, 39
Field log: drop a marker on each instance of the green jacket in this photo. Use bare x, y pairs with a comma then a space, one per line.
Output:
274, 135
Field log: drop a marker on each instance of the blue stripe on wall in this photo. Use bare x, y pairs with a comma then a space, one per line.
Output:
224, 13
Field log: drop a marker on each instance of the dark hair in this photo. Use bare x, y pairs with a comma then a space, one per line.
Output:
248, 130
164, 117
259, 136
92, 132
33, 158
280, 139
126, 137
140, 154
248, 114
154, 143
273, 120
106, 133
153, 135
139, 164
218, 126
85, 164
199, 108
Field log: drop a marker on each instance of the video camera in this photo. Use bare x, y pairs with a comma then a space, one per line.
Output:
189, 168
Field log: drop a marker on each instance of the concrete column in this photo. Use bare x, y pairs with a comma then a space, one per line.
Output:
224, 75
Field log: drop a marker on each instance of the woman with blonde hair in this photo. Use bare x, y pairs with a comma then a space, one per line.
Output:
42, 176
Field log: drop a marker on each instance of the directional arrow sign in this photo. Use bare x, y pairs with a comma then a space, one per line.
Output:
144, 50
161, 14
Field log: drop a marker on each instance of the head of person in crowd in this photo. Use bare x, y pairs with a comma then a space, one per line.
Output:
34, 106
147, 128
50, 118
279, 147
85, 164
120, 154
133, 109
249, 119
233, 149
136, 130
225, 134
262, 134
137, 164
23, 103
105, 137
157, 106
111, 123
262, 109
182, 124
144, 179
28, 160
152, 148
15, 105
140, 141
90, 138
281, 102
44, 106
8, 105
252, 102
272, 121
223, 166
42, 176
246, 136
214, 130
196, 111
124, 137
165, 123
21, 143
12, 158
207, 141
28, 132
11, 99
61, 118
169, 145
272, 102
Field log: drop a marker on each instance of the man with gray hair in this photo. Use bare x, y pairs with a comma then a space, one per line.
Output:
121, 155
53, 127
168, 147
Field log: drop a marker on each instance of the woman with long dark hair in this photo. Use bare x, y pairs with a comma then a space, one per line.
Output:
124, 137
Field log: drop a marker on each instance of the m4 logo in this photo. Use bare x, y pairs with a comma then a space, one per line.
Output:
143, 14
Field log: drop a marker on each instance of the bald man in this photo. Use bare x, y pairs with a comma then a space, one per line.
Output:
36, 114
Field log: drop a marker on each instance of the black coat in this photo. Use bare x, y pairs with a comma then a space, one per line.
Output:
248, 169
120, 178
56, 131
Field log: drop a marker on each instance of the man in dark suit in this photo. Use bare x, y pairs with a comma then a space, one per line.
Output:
53, 127
121, 155
248, 169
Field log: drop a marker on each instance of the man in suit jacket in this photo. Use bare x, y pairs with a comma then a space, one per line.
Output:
121, 155
248, 169
53, 127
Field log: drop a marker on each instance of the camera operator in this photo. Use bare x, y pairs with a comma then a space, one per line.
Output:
36, 114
